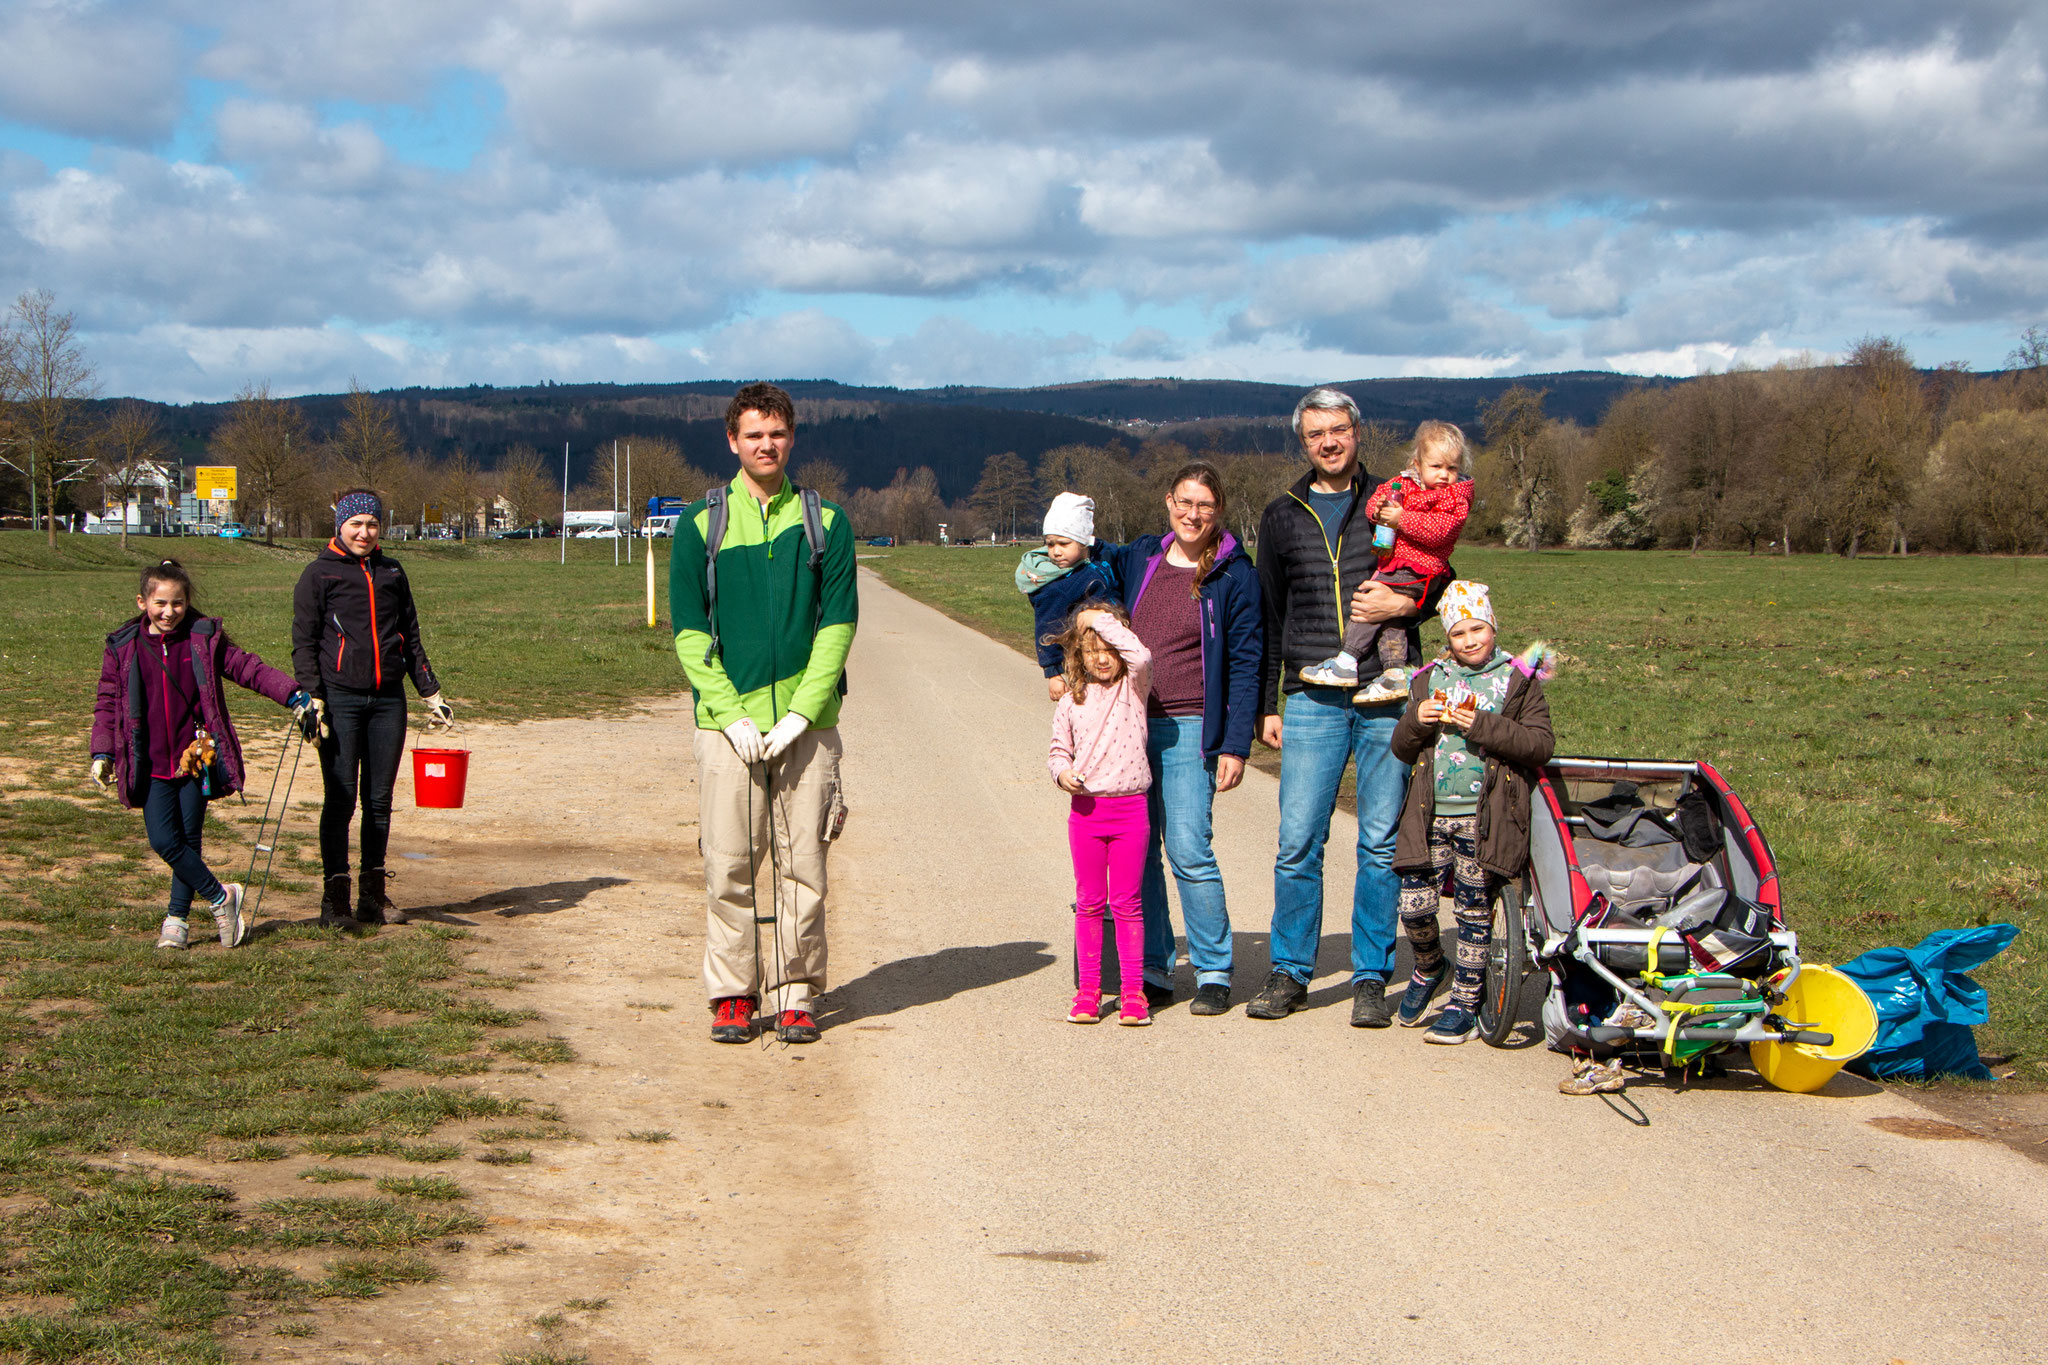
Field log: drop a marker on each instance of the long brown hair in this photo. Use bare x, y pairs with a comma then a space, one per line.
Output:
1069, 639
1203, 473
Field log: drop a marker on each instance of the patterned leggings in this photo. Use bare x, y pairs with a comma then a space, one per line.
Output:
1453, 843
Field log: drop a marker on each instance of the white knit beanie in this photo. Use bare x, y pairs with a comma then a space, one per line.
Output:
1072, 515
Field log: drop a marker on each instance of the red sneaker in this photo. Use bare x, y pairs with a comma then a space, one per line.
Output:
732, 1019
796, 1026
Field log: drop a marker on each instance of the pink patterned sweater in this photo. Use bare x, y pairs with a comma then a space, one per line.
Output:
1103, 738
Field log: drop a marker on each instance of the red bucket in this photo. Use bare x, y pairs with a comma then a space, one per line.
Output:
438, 777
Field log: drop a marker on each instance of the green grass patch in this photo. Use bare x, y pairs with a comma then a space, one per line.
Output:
365, 1277
1881, 718
538, 1051
506, 1156
330, 1175
435, 1187
500, 1135
305, 1221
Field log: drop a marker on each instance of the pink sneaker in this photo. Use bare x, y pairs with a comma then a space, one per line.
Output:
1132, 1013
1087, 1008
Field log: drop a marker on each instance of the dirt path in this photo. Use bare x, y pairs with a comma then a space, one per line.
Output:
954, 1174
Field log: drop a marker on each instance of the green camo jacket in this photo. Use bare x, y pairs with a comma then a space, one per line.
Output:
783, 629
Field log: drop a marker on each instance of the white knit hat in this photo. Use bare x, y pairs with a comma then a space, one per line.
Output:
1072, 515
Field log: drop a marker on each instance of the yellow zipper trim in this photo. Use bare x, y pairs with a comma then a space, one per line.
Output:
1336, 572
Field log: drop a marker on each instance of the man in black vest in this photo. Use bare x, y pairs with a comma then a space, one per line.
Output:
1315, 556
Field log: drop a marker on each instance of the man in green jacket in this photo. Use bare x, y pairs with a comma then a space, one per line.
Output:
766, 655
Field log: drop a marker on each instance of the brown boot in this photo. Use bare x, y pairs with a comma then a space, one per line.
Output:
334, 910
372, 905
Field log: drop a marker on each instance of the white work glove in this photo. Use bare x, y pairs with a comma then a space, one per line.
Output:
102, 772
783, 735
438, 709
746, 739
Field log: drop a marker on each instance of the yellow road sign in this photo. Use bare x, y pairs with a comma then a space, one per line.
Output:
214, 483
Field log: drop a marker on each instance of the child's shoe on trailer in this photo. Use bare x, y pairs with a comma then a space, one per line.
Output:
1388, 688
228, 918
1455, 1025
1087, 1008
1593, 1078
1331, 672
174, 933
732, 1019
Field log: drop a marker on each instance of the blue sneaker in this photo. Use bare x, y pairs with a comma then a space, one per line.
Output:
1331, 672
1415, 999
1455, 1025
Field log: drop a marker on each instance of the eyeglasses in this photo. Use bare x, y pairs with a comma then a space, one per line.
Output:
1189, 508
1341, 430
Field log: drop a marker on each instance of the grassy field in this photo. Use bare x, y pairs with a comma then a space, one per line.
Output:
1885, 721
301, 1046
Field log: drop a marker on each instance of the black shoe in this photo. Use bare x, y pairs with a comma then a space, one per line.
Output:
1369, 1004
372, 905
1210, 999
334, 911
1283, 996
1158, 997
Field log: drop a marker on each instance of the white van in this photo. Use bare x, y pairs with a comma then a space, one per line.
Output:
662, 527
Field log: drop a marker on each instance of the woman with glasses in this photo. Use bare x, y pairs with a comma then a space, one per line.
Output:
1193, 599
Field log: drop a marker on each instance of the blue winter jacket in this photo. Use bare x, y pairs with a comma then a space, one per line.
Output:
1052, 604
1233, 635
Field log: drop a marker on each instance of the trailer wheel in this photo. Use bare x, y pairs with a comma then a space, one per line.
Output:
1507, 968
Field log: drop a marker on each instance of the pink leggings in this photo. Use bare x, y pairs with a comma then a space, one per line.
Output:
1108, 835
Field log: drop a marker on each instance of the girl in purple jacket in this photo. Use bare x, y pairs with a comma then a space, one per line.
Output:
162, 738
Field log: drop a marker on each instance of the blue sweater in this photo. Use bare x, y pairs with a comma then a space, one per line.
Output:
1053, 603
1233, 636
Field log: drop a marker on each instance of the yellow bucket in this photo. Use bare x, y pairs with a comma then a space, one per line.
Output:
1825, 1001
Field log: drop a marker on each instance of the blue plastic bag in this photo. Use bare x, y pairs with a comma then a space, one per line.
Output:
1926, 1006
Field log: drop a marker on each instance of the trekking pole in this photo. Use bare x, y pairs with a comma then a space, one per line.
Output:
268, 831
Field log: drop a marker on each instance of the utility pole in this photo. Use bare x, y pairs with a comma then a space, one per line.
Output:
629, 502
615, 504
564, 533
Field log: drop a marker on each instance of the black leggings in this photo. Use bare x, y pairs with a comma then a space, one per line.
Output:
174, 813
360, 757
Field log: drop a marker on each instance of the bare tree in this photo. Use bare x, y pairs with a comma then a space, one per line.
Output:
1004, 495
365, 447
44, 379
459, 487
827, 478
128, 453
1519, 461
2031, 353
265, 440
526, 484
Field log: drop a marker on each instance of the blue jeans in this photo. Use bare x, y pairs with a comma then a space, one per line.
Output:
1320, 731
174, 814
1183, 791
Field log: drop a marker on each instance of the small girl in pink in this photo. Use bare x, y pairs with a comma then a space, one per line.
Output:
1098, 758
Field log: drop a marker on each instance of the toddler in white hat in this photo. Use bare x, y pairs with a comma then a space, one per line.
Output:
1059, 576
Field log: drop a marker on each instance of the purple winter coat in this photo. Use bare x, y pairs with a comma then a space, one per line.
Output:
117, 721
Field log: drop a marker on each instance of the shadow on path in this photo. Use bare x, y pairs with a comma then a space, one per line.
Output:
543, 899
912, 982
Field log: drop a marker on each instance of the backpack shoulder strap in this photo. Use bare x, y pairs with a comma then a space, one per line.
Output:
716, 514
814, 525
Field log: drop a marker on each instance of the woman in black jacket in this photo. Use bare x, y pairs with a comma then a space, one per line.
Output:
355, 638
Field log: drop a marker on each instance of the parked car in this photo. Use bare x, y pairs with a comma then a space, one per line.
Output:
232, 531
883, 541
601, 533
662, 526
537, 531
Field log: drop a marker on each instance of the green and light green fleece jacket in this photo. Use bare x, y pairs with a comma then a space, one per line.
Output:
783, 629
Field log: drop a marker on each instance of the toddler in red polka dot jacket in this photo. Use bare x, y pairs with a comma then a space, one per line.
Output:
1098, 758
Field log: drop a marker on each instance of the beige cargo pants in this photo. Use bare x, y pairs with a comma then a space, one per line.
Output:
764, 832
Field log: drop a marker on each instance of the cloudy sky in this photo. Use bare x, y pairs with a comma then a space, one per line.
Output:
899, 192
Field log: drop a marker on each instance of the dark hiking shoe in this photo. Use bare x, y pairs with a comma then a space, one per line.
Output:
1369, 1004
372, 905
334, 898
796, 1026
732, 1019
1283, 996
1415, 999
1158, 997
1455, 1025
1210, 999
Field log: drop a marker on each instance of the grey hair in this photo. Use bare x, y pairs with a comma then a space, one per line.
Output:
1326, 400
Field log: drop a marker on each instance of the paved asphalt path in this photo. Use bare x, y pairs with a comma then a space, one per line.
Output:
1226, 1189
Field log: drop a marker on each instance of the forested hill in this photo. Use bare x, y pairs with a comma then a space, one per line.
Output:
872, 432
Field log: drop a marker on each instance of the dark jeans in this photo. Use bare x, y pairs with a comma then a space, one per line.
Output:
174, 814
359, 759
